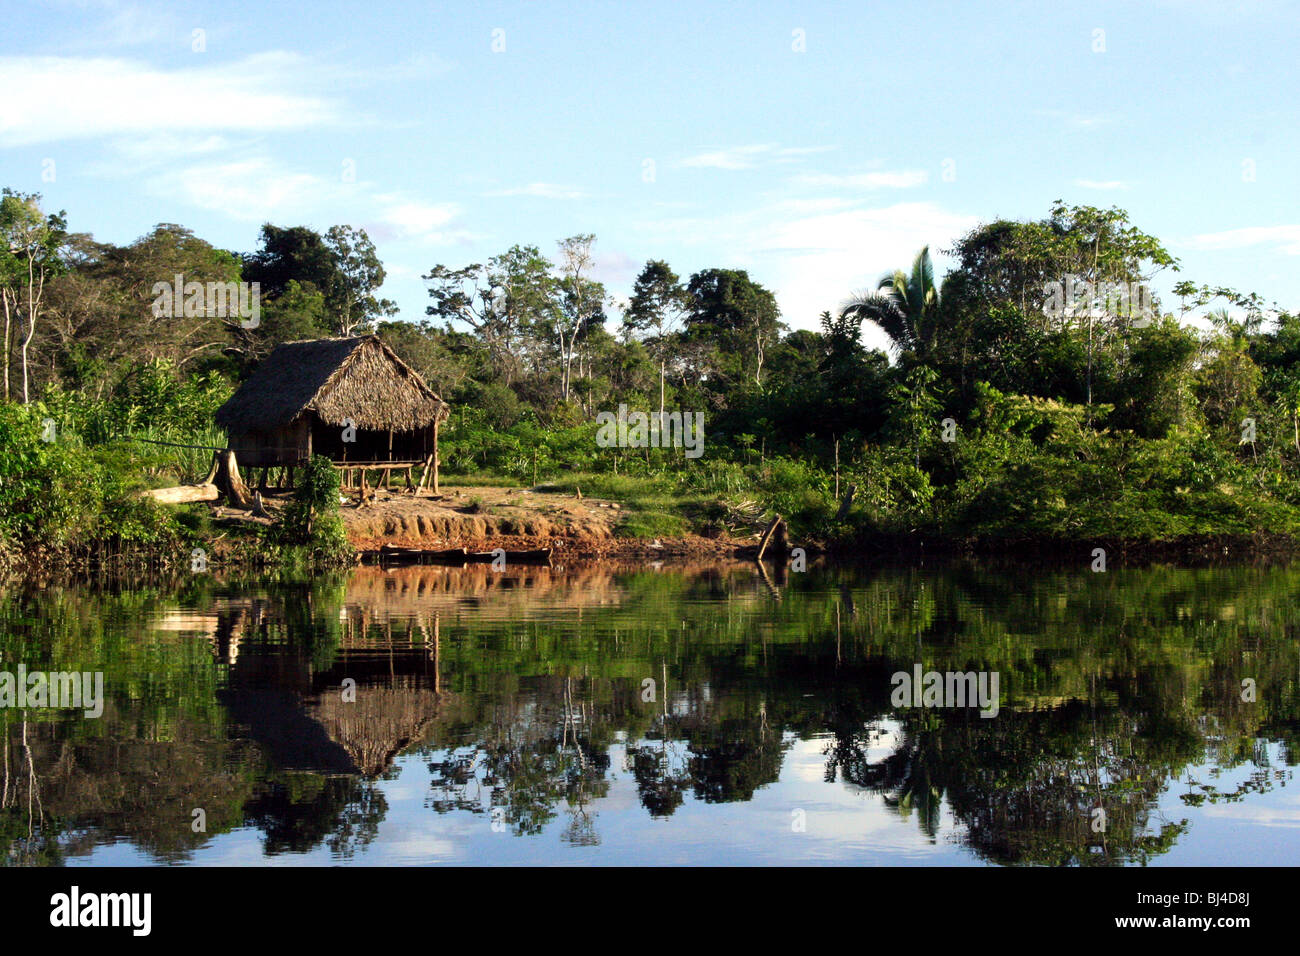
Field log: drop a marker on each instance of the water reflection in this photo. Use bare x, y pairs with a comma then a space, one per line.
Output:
467, 714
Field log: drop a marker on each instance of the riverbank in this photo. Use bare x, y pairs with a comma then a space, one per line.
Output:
574, 526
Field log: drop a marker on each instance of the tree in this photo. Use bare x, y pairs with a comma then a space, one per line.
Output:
581, 301
33, 244
503, 301
1014, 265
905, 307
357, 277
659, 305
739, 315
296, 254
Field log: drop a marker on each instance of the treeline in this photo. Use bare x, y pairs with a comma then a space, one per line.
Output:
1023, 397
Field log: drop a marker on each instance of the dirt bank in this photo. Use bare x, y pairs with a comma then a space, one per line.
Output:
483, 518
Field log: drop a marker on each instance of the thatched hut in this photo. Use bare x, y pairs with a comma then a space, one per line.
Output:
350, 399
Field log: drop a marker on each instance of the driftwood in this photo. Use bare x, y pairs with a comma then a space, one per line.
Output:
183, 494
777, 522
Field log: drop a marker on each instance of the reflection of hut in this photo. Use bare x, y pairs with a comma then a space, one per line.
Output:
303, 720
352, 400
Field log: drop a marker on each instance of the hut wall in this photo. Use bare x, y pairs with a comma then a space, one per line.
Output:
265, 448
369, 446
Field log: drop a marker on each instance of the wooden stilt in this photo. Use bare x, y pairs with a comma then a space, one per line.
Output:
435, 458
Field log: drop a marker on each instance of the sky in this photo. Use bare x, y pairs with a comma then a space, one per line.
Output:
816, 145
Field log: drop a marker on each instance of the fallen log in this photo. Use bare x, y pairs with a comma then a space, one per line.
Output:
182, 494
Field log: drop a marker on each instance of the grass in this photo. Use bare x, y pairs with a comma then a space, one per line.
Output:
476, 481
650, 524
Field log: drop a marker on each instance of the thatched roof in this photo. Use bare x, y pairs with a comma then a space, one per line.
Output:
356, 378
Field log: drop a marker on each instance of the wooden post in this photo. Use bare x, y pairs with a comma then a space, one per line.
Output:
837, 467
435, 458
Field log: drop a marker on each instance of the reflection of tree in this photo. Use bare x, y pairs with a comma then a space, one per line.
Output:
1025, 785
733, 757
301, 811
661, 780
902, 777
525, 766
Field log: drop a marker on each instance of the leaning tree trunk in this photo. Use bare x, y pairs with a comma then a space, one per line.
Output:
225, 475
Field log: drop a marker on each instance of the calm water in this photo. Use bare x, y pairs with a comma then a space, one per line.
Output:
660, 715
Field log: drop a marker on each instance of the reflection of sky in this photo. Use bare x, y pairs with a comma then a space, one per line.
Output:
843, 826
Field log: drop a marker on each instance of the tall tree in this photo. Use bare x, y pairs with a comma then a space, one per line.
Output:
504, 301
582, 301
1012, 264
351, 292
33, 244
658, 307
740, 316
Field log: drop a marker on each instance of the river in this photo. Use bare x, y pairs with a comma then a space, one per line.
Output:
661, 715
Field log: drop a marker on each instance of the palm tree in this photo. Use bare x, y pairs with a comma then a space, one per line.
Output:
906, 308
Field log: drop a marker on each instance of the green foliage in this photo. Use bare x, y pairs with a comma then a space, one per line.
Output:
310, 526
60, 500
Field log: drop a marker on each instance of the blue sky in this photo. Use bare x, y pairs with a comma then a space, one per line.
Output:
698, 133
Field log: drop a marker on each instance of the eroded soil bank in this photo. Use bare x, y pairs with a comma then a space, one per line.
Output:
483, 518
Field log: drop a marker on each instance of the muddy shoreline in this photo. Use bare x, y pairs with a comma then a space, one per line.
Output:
584, 530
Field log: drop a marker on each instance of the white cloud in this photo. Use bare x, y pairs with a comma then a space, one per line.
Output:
424, 222
1288, 237
253, 189
898, 179
748, 157
257, 189
543, 191
736, 157
50, 98
817, 261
